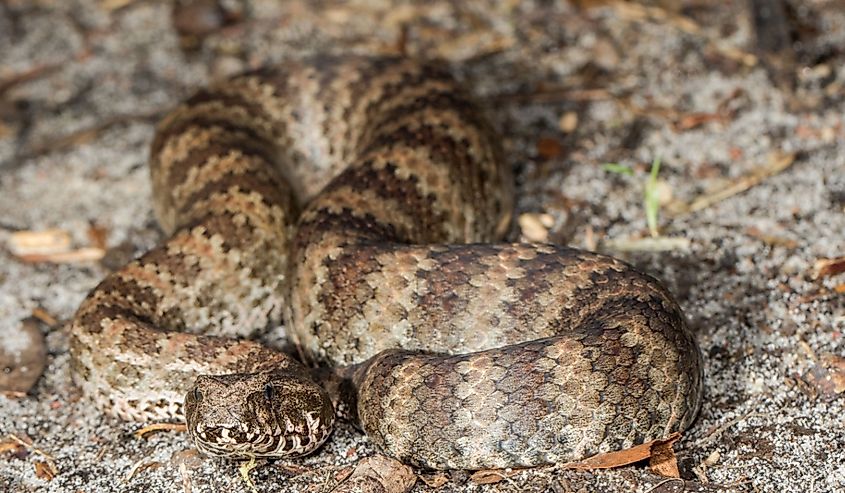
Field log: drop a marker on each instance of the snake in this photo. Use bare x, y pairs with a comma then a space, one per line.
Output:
359, 204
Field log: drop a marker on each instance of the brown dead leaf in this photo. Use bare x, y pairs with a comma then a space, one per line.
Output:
26, 445
694, 120
662, 461
621, 457
343, 474
45, 470
12, 446
549, 148
44, 317
434, 480
827, 267
98, 236
378, 474
492, 476
827, 378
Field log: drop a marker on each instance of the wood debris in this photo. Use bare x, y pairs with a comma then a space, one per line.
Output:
98, 236
44, 317
777, 162
827, 267
625, 457
700, 470
637, 12
662, 461
45, 242
45, 470
827, 377
549, 148
49, 460
378, 474
434, 480
647, 244
142, 433
50, 245
493, 476
771, 240
9, 445
141, 466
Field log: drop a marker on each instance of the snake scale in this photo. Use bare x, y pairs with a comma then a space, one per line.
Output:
361, 201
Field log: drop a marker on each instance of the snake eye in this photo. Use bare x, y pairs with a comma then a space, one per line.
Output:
197, 394
268, 392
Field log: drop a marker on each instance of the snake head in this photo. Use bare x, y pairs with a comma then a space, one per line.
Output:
245, 415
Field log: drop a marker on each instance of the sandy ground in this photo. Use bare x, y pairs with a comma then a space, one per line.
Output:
570, 88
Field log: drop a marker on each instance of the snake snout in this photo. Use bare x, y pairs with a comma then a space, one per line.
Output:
258, 415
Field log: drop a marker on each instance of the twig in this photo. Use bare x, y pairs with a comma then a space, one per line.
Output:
778, 162
650, 244
668, 480
51, 461
180, 427
715, 434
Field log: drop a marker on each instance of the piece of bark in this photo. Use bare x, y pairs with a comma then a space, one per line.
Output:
621, 457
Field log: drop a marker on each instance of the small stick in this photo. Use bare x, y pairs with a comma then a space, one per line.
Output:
180, 427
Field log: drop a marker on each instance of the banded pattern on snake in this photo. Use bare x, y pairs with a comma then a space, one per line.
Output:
451, 351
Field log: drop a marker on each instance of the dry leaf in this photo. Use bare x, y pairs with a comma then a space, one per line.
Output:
695, 120
620, 457
11, 446
435, 480
98, 236
828, 376
827, 267
45, 471
662, 461
344, 473
378, 474
492, 476
549, 148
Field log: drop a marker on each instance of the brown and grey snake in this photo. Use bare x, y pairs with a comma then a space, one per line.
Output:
360, 202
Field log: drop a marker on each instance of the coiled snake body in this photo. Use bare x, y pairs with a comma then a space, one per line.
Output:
449, 350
